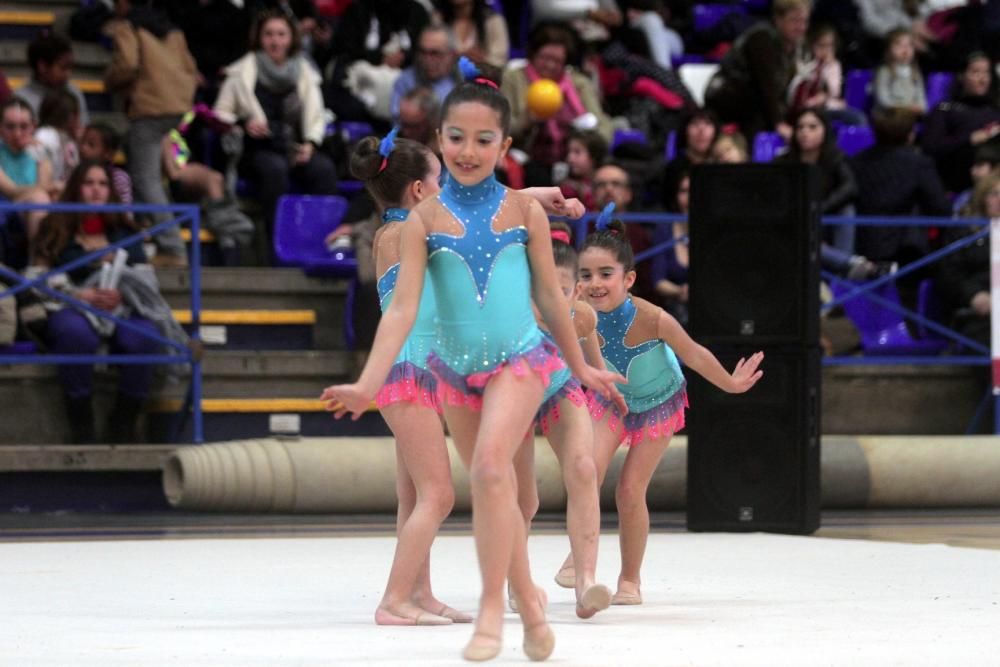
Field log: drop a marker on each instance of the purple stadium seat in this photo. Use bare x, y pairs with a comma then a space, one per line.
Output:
938, 88
858, 89
706, 16
855, 138
628, 137
354, 131
883, 331
670, 146
686, 58
766, 146
300, 227
19, 348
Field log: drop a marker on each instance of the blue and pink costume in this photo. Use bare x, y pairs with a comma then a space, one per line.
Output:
563, 384
409, 379
656, 391
478, 264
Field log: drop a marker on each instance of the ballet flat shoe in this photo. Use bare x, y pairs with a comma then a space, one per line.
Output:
385, 617
455, 615
626, 598
540, 649
596, 598
566, 577
480, 651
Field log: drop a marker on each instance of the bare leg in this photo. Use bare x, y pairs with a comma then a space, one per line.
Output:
492, 436
426, 496
201, 181
33, 219
527, 491
633, 515
572, 439
605, 445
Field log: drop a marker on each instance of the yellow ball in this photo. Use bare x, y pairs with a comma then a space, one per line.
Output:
544, 98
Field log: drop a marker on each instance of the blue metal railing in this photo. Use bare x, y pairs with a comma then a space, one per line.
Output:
867, 290
181, 354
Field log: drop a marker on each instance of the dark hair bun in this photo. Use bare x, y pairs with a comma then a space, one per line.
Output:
617, 227
365, 159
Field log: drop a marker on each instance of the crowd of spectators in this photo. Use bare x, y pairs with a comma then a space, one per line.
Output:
275, 82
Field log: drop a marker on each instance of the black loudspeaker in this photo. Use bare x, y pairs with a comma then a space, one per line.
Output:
753, 458
754, 239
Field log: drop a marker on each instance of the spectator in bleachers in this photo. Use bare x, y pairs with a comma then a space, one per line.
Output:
551, 47
612, 183
881, 17
593, 20
695, 137
662, 42
276, 94
195, 182
50, 58
480, 33
751, 85
434, 67
895, 179
963, 278
418, 112
813, 143
819, 80
730, 148
153, 68
587, 150
670, 269
57, 135
956, 127
23, 177
100, 143
898, 81
373, 38
985, 163
62, 238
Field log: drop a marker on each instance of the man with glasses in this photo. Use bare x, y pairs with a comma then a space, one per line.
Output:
612, 183
433, 67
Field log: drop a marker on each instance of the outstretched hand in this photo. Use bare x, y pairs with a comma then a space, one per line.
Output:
603, 382
555, 203
746, 373
343, 398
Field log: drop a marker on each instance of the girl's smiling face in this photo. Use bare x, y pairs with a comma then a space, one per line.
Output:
472, 142
603, 280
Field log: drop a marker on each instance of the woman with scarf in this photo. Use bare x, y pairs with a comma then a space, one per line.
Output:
276, 94
550, 47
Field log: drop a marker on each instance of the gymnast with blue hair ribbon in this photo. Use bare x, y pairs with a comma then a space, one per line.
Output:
642, 342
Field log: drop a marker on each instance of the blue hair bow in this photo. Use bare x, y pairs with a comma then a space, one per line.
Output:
388, 143
468, 69
604, 219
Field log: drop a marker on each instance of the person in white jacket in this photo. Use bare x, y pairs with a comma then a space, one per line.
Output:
275, 93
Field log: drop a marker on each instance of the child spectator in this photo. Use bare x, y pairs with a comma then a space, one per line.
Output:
730, 148
57, 134
23, 177
101, 143
819, 81
898, 82
51, 60
587, 150
480, 32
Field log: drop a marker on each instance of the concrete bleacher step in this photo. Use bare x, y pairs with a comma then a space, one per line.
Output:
226, 288
236, 418
253, 329
226, 374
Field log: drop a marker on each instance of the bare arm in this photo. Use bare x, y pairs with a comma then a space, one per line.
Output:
393, 328
592, 352
552, 304
702, 361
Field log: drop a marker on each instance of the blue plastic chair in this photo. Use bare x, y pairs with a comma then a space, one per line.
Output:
766, 146
354, 131
858, 89
687, 59
707, 16
853, 139
883, 331
301, 225
939, 86
628, 137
